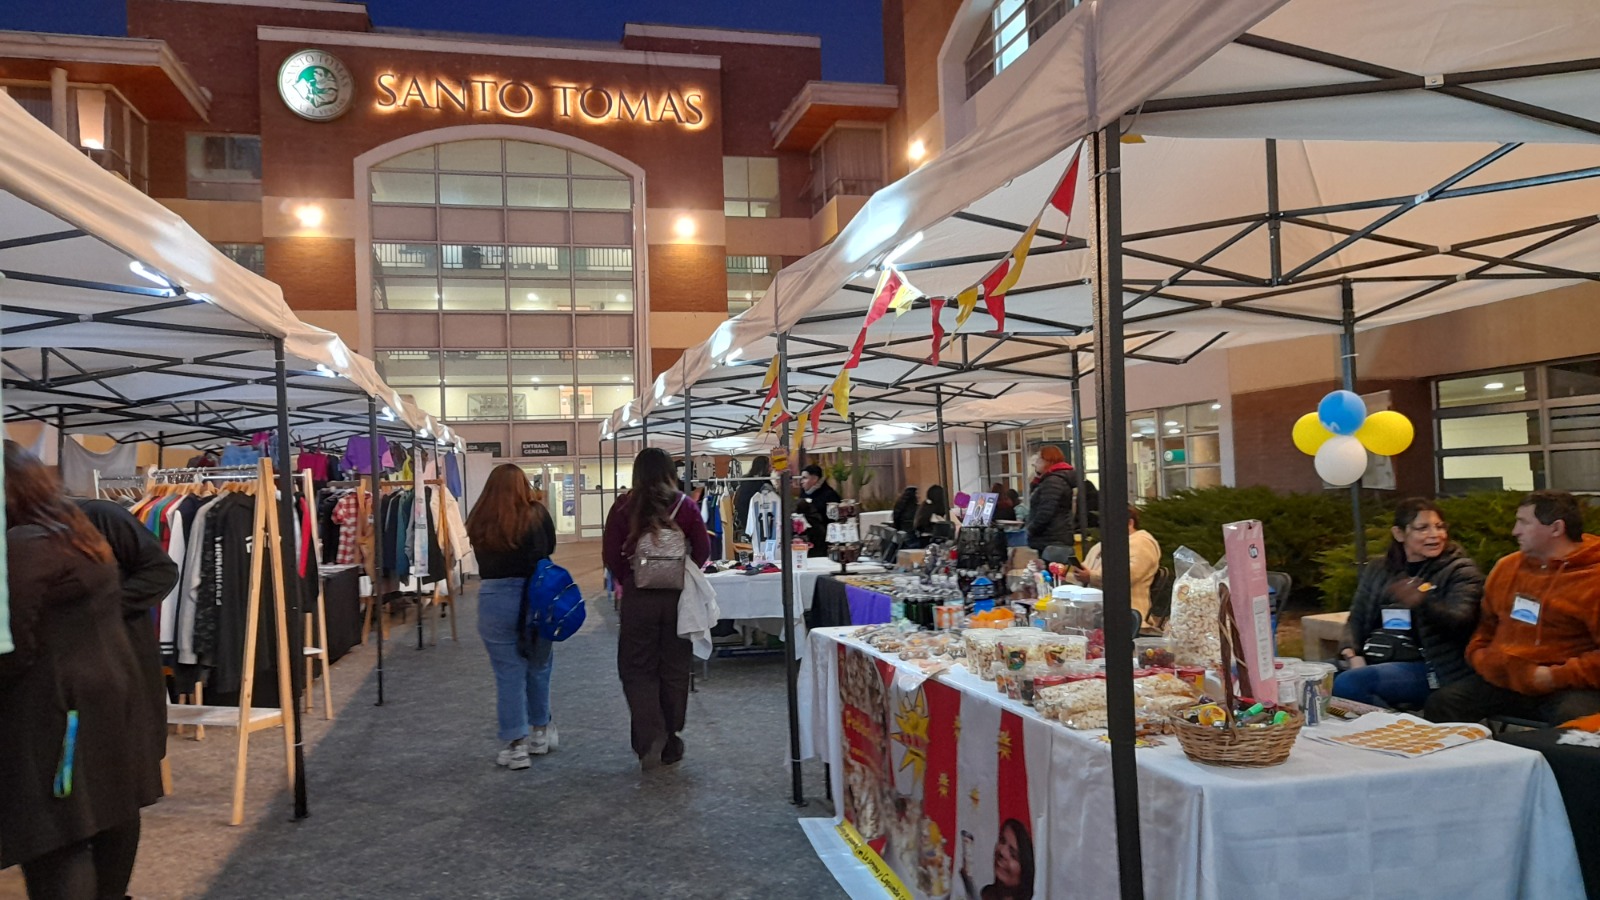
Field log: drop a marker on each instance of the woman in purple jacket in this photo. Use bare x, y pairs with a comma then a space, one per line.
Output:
651, 659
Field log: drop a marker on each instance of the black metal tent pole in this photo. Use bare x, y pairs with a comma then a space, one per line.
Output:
409, 527
938, 420
289, 577
616, 468
688, 441
855, 459
376, 600
1111, 407
791, 657
1080, 455
1347, 369
988, 474
61, 438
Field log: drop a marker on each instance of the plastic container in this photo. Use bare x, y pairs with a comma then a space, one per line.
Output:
1154, 652
983, 650
1019, 647
1086, 615
1290, 684
1060, 649
1316, 690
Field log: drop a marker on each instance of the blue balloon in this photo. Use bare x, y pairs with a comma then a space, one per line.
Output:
1342, 412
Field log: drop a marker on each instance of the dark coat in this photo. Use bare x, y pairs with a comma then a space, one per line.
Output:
148, 576
814, 506
1443, 623
72, 654
1050, 509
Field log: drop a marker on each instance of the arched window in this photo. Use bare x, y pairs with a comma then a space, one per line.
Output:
1009, 29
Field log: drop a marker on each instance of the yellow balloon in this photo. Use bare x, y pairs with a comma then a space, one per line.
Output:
1386, 433
1310, 434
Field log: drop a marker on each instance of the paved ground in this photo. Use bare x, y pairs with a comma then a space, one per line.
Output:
406, 800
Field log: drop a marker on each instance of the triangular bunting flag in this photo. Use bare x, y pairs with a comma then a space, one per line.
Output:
795, 441
889, 285
994, 299
855, 351
771, 377
816, 414
841, 395
772, 419
936, 305
1067, 191
903, 298
966, 302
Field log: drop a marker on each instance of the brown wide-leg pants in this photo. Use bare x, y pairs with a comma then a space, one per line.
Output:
654, 665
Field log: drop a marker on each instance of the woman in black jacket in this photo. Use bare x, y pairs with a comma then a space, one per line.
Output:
1050, 505
74, 770
1412, 616
937, 505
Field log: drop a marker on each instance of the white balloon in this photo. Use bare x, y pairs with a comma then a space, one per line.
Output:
1342, 460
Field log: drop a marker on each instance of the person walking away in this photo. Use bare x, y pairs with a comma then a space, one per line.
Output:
511, 531
1412, 616
1050, 504
652, 660
815, 495
1535, 653
148, 576
74, 766
1144, 558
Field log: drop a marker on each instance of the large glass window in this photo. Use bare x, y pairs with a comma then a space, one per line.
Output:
225, 167
1011, 27
748, 278
1521, 429
251, 256
1169, 450
750, 187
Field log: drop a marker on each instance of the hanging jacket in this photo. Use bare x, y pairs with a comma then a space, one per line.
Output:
1441, 625
1050, 508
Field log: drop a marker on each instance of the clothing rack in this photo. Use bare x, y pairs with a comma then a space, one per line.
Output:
318, 653
202, 473
247, 719
364, 540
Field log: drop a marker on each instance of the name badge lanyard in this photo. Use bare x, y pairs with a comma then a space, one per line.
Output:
1538, 627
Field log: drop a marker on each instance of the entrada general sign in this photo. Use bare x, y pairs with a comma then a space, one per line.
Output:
315, 85
519, 99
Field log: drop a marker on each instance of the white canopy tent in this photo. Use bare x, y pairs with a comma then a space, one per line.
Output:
1329, 168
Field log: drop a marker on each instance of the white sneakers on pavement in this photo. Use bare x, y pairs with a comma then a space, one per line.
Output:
515, 755
542, 739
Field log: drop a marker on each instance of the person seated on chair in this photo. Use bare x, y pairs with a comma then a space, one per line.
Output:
935, 510
1412, 616
1537, 648
1144, 558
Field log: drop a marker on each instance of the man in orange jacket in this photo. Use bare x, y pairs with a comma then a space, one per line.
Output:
1537, 648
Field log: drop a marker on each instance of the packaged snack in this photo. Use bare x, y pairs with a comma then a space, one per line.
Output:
1196, 603
1154, 652
983, 650
1059, 649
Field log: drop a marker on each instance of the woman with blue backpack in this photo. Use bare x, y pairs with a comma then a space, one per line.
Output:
649, 534
511, 532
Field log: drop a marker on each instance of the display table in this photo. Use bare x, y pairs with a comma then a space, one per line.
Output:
841, 600
1577, 771
1479, 821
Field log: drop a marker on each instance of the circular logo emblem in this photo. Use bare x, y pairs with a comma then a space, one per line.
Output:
315, 85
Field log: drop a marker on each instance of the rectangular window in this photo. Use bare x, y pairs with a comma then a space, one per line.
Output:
748, 278
1169, 450
750, 187
1521, 429
415, 373
251, 256
226, 167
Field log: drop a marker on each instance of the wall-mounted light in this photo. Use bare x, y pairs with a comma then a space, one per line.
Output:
309, 215
683, 227
917, 151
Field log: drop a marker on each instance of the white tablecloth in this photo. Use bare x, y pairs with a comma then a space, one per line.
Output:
876, 517
1484, 820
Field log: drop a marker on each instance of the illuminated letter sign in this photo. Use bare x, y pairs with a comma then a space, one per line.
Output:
489, 96
316, 86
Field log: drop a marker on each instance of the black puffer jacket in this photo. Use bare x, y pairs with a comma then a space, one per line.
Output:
1050, 509
1443, 623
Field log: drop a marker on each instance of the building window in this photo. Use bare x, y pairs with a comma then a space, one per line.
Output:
224, 167
1169, 450
1010, 28
251, 256
748, 278
1520, 429
750, 187
849, 161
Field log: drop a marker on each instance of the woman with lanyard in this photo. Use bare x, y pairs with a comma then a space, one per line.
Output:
1413, 613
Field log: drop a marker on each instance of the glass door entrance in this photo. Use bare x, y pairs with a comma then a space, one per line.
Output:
558, 482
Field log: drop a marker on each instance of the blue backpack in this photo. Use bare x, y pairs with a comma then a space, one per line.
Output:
552, 607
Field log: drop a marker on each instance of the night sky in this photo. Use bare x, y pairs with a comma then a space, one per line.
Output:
851, 30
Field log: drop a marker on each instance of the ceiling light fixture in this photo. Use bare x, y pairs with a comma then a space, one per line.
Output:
684, 227
1494, 385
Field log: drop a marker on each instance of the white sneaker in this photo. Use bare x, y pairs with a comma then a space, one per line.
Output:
515, 755
543, 739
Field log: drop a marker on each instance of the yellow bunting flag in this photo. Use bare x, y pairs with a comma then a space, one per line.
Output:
772, 414
966, 302
841, 394
772, 373
1019, 255
796, 436
903, 297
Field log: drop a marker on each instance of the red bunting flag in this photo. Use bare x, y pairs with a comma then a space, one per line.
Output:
890, 285
1066, 192
816, 414
936, 306
994, 302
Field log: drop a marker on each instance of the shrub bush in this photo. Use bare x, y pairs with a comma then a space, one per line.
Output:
1299, 527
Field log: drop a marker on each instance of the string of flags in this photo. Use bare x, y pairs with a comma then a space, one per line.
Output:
895, 293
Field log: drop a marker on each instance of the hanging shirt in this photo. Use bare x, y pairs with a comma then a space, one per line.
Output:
344, 513
358, 455
761, 522
452, 475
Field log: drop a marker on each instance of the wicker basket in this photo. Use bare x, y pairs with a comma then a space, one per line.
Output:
1232, 745
1235, 746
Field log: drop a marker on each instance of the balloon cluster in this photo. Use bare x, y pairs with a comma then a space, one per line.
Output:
1340, 433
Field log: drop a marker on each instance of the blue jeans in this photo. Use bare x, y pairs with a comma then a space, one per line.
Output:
522, 686
1384, 684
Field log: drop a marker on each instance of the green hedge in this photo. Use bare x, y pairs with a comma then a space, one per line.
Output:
1299, 527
